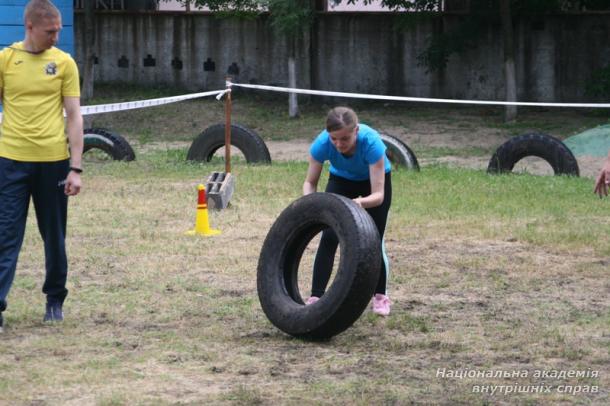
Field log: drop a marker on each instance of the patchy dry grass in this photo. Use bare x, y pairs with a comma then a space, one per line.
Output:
488, 274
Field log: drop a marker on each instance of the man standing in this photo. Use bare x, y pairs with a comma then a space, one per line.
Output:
37, 82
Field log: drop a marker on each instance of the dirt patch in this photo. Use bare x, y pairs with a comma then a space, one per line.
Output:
298, 150
589, 166
451, 136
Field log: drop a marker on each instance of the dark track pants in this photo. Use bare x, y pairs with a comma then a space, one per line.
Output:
44, 183
325, 257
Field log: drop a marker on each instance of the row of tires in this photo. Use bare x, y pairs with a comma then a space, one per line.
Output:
252, 146
212, 139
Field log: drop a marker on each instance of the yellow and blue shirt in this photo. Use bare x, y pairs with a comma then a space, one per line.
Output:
33, 87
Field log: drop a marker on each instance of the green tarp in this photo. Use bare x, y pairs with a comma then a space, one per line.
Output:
593, 142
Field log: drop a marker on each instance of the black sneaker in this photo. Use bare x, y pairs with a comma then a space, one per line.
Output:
53, 312
1, 322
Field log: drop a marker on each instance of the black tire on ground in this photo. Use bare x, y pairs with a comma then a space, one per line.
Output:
357, 274
111, 143
399, 153
549, 148
213, 138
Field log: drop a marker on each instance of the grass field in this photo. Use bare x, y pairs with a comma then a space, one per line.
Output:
497, 282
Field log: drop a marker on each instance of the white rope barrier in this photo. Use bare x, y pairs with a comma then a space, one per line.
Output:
113, 107
107, 108
122, 106
414, 99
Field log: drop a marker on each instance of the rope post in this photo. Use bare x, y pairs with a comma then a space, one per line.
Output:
228, 127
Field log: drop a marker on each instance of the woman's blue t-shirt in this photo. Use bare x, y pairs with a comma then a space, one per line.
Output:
369, 149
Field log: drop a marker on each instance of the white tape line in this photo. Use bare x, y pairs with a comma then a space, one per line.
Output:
108, 108
221, 94
417, 99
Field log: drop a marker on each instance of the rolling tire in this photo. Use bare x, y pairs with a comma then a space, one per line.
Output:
111, 143
549, 148
399, 153
213, 138
357, 274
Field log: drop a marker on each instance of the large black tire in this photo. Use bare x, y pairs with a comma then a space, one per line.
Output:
549, 148
399, 153
357, 274
213, 138
111, 143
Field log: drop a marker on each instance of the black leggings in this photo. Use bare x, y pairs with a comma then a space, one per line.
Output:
325, 257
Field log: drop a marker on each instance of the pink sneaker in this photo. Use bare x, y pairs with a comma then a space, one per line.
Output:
311, 300
381, 304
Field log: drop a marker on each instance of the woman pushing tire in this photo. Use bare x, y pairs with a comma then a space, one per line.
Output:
352, 215
361, 171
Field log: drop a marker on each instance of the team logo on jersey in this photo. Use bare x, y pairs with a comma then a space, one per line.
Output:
51, 68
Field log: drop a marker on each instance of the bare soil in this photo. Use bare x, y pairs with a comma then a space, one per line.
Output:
298, 150
456, 137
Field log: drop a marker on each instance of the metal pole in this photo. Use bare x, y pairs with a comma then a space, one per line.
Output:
228, 129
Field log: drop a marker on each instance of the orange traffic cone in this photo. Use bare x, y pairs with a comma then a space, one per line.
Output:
202, 224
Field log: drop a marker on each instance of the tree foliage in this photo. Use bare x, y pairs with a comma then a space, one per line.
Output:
292, 18
478, 14
528, 6
288, 17
229, 6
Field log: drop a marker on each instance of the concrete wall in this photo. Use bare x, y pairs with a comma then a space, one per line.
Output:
193, 51
350, 52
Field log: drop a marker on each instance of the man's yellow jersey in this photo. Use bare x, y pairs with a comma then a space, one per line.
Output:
33, 87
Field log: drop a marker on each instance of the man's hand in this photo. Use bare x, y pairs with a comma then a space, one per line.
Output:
603, 180
73, 184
